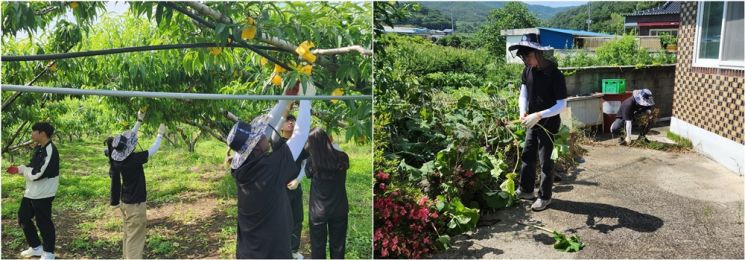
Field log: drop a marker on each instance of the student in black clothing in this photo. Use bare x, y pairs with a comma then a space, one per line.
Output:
42, 181
329, 208
639, 104
294, 189
128, 191
262, 172
543, 96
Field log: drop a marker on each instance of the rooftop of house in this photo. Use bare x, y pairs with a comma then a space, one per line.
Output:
670, 7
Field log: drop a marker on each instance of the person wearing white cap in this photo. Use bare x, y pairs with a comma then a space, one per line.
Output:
640, 103
128, 191
543, 96
262, 172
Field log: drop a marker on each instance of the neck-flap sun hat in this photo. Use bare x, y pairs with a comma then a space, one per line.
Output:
123, 145
527, 42
643, 97
243, 138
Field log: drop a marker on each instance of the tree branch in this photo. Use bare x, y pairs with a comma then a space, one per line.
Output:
348, 49
277, 42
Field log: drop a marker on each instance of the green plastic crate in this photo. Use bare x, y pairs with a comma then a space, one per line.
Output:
614, 86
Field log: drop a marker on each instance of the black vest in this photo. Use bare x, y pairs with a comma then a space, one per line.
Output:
40, 153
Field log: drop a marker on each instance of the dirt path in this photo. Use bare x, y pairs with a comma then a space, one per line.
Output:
625, 202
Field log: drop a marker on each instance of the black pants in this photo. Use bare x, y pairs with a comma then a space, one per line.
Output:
336, 230
41, 210
296, 204
539, 143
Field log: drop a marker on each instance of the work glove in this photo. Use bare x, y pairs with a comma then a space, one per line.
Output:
293, 185
531, 120
162, 129
628, 139
140, 115
13, 170
310, 90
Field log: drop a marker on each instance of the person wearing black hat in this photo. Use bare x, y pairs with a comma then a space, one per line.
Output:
261, 172
294, 189
42, 181
543, 96
329, 207
639, 104
128, 191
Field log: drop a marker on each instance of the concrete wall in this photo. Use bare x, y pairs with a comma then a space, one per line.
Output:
658, 79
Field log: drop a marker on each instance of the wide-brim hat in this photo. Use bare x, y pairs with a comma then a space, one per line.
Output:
123, 144
243, 138
643, 97
529, 41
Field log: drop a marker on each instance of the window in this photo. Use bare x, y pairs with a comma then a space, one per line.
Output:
719, 35
658, 32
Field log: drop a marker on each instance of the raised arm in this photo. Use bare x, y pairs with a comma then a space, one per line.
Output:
156, 144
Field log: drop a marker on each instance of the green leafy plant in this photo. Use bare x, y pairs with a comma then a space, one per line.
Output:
572, 244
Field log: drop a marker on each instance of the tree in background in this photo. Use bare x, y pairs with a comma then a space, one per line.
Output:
605, 16
513, 15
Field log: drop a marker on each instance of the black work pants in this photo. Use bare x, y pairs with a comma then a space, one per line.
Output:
335, 229
539, 145
41, 211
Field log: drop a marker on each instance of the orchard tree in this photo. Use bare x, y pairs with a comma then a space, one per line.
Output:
253, 48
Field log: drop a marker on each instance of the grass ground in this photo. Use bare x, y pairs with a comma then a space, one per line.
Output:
191, 204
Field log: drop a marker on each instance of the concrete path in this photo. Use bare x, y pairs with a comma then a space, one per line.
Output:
624, 203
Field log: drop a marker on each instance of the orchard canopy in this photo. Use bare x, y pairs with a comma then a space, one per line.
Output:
242, 48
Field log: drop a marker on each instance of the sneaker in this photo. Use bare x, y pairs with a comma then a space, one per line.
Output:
540, 204
33, 251
47, 255
524, 195
296, 255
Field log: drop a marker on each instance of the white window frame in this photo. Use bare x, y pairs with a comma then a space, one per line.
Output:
718, 62
659, 31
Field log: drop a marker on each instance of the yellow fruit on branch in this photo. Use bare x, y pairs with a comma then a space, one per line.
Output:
278, 69
277, 80
337, 92
215, 50
73, 5
307, 69
263, 61
249, 32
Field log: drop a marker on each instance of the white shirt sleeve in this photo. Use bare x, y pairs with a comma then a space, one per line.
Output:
523, 101
28, 171
628, 128
301, 175
275, 135
136, 127
275, 115
301, 130
555, 109
154, 148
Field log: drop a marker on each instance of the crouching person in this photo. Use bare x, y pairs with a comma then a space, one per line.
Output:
42, 181
128, 191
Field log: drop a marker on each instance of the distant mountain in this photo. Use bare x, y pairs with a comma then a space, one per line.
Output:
469, 15
477, 11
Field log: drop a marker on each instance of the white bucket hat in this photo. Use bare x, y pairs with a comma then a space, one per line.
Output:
643, 97
529, 40
123, 144
243, 138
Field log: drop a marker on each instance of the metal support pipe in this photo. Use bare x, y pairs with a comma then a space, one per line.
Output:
174, 95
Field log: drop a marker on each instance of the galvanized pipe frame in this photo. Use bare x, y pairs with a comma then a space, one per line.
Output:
173, 95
